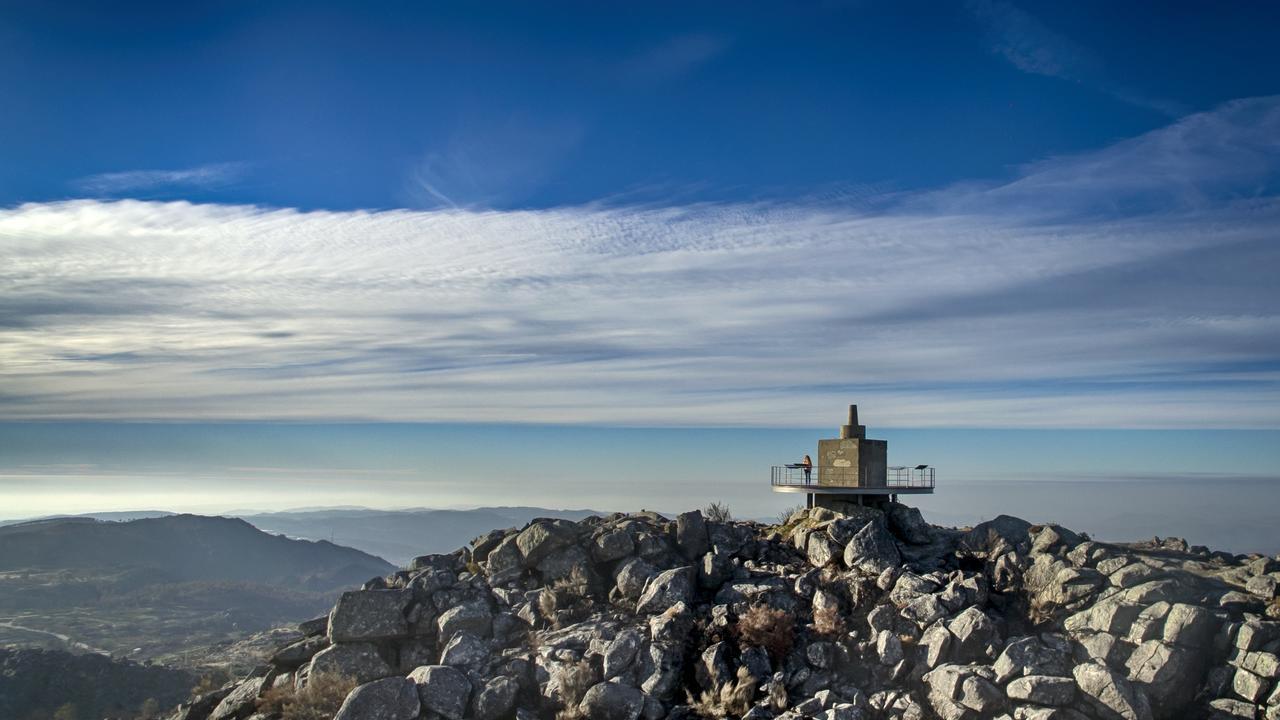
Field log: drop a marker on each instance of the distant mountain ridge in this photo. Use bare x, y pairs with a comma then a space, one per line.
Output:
400, 535
186, 548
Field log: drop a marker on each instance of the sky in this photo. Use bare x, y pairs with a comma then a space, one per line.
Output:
642, 228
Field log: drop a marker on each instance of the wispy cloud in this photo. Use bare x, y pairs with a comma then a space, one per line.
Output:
203, 176
1034, 48
1129, 287
491, 164
676, 56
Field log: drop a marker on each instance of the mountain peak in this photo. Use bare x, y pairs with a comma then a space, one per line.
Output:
872, 614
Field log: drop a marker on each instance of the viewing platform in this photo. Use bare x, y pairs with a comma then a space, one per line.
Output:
851, 472
898, 480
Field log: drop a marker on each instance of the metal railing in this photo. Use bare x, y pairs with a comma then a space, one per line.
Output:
898, 476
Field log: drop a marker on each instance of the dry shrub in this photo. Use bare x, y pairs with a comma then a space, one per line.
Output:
784, 517
717, 512
567, 599
574, 684
770, 628
731, 699
827, 621
319, 699
209, 682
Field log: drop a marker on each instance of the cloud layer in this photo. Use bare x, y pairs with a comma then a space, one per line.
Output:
131, 181
1131, 287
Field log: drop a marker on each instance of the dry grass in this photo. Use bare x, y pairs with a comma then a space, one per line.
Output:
717, 512
566, 599
319, 699
827, 621
770, 628
731, 699
784, 517
574, 684
209, 682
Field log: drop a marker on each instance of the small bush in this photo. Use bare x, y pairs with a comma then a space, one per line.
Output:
209, 682
574, 684
319, 699
784, 517
717, 512
731, 699
566, 600
827, 621
770, 628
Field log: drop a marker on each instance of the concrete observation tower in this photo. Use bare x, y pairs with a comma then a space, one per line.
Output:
852, 471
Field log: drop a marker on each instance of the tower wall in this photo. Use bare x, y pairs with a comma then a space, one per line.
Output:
853, 462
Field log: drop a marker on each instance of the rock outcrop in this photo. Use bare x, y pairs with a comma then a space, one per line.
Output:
873, 615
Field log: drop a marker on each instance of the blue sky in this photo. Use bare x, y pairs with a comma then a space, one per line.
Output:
978, 217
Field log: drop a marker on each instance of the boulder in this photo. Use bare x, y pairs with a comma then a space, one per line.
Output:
980, 695
1133, 574
450, 562
1168, 673
359, 661
666, 661
1043, 689
821, 655
1110, 616
240, 702
442, 689
935, 645
1189, 625
483, 545
671, 626
473, 617
872, 549
713, 570
1260, 663
1149, 624
620, 653
299, 653
924, 610
1054, 538
1110, 694
756, 661
1231, 708
1263, 586
820, 550
908, 525
1070, 585
540, 539
1248, 685
568, 562
370, 615
505, 563
666, 589
691, 534
1031, 655
465, 650
908, 586
314, 626
713, 666
497, 698
1254, 634
973, 632
632, 577
612, 545
888, 648
1004, 530
393, 698
611, 701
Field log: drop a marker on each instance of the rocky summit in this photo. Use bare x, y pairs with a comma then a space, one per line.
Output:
876, 614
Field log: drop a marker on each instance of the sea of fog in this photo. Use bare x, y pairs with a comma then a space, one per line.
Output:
1234, 514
